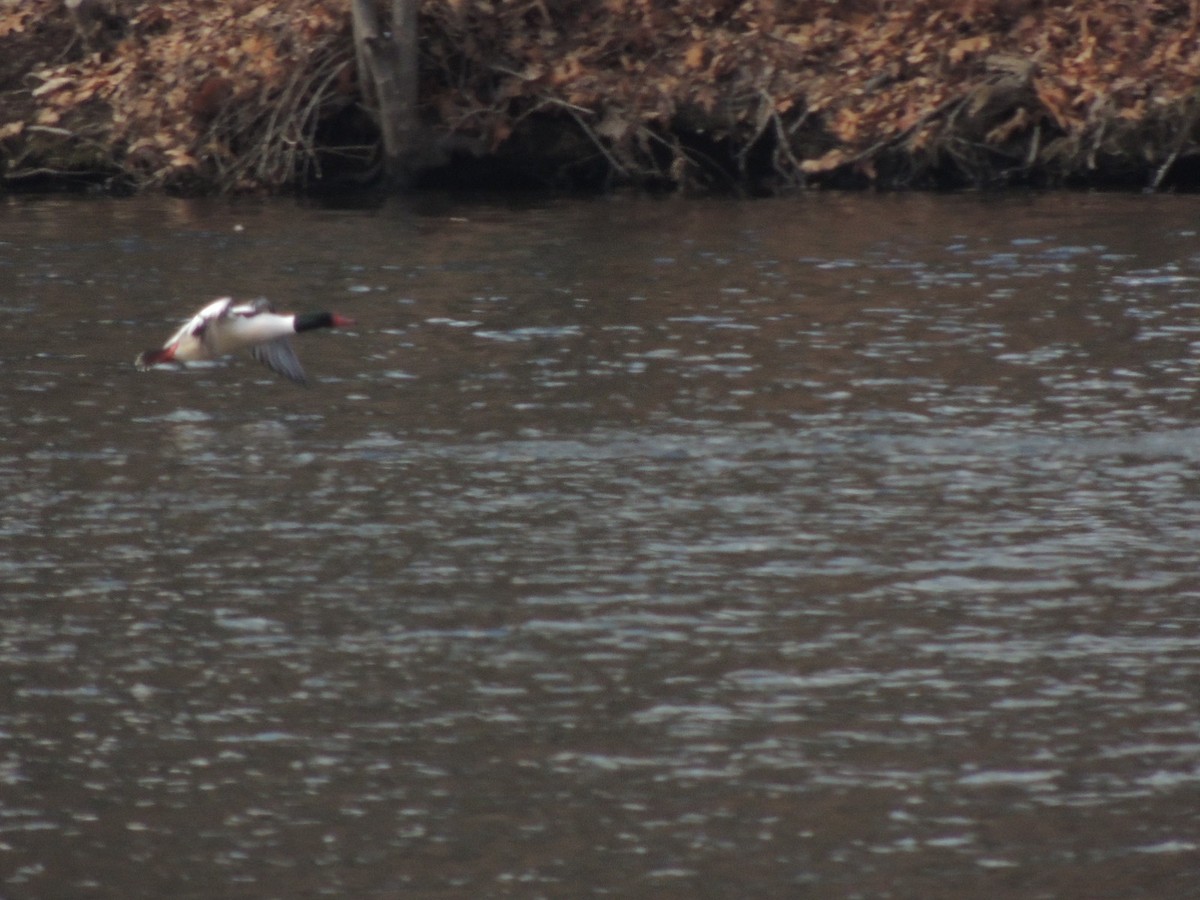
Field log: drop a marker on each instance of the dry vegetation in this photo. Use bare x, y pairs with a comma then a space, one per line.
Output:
762, 95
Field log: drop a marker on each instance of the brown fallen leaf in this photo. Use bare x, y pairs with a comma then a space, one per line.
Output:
825, 163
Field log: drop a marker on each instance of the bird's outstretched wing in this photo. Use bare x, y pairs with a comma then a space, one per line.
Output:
196, 325
279, 356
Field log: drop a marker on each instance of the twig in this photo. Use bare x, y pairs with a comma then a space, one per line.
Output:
22, 174
784, 144
910, 130
591, 135
555, 101
51, 129
693, 156
765, 118
1184, 134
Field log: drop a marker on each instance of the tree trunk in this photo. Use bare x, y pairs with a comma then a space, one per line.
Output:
387, 73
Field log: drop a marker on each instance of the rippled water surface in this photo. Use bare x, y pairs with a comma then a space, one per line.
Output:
836, 547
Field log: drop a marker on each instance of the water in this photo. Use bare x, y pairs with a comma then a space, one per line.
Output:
836, 547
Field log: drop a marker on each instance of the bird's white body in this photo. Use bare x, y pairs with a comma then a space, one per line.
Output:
222, 328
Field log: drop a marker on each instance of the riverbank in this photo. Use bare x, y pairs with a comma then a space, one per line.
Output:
203, 96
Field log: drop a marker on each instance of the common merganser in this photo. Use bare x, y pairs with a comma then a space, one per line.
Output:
223, 327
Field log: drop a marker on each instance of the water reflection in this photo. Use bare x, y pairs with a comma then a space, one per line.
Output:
656, 549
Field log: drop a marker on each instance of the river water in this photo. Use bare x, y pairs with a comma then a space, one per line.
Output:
843, 546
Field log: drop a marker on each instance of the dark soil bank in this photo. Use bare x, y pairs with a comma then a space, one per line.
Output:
758, 97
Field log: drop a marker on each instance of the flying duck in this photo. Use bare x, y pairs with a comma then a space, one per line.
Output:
224, 327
